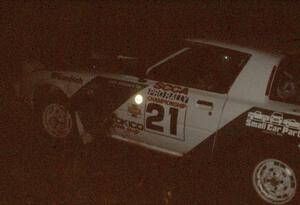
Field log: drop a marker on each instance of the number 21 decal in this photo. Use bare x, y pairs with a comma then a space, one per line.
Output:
156, 118
164, 120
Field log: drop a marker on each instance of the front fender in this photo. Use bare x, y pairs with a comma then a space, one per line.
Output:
68, 82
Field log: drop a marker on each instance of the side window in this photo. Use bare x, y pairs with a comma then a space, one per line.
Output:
204, 67
286, 85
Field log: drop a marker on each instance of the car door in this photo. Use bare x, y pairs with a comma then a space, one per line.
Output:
184, 103
283, 103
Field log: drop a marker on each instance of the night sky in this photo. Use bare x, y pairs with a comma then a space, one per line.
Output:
67, 31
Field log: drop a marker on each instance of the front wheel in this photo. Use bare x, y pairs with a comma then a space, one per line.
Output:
56, 122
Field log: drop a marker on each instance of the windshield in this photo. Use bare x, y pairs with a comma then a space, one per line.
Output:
201, 66
133, 60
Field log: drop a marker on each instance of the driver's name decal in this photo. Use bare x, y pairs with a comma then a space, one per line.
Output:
274, 123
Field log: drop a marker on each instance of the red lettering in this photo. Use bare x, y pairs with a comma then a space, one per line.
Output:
170, 87
159, 85
184, 91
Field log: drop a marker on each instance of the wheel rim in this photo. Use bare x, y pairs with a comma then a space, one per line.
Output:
274, 181
57, 121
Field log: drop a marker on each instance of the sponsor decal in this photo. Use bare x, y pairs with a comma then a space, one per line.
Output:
172, 88
134, 110
127, 125
165, 120
69, 78
274, 123
168, 94
166, 102
165, 110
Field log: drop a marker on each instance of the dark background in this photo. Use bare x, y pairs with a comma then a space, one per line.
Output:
58, 31
65, 32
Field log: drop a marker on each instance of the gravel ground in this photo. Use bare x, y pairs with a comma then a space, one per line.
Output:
100, 173
105, 172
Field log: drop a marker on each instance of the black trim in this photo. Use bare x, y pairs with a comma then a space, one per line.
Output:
98, 99
236, 134
271, 79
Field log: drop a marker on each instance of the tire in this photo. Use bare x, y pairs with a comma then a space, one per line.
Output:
55, 122
260, 176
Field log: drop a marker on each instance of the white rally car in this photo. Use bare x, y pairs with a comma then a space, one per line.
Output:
194, 104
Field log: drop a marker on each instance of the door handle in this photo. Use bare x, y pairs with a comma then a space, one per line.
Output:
205, 104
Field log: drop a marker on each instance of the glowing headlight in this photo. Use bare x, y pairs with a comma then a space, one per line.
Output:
138, 99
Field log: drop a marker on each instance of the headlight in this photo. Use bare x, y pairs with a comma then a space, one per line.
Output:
138, 99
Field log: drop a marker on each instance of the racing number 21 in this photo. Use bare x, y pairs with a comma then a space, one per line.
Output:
160, 116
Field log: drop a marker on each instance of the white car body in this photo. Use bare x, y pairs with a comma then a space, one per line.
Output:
223, 113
